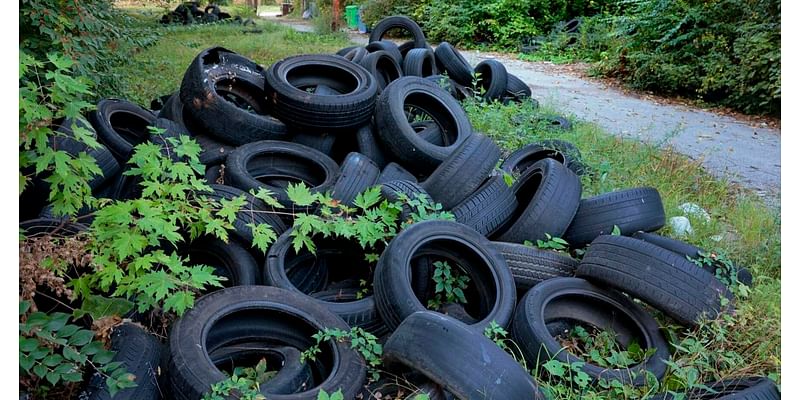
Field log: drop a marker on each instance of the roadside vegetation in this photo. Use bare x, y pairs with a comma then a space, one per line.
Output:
149, 61
721, 52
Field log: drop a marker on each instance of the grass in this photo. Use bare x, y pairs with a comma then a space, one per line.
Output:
158, 70
741, 225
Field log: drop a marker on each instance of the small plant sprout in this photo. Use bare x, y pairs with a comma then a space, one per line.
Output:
450, 285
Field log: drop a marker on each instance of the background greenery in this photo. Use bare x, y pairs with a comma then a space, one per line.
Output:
724, 52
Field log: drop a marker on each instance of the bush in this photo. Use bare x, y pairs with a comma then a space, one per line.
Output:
721, 51
499, 23
92, 33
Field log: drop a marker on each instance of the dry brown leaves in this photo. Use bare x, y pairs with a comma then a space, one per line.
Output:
45, 260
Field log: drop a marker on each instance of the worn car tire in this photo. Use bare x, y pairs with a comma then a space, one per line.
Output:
548, 195
579, 302
121, 125
356, 174
493, 78
270, 315
493, 295
461, 360
419, 62
488, 208
657, 276
630, 210
456, 66
398, 22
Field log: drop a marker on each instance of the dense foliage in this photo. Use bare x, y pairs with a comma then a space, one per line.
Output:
502, 23
94, 34
721, 51
725, 52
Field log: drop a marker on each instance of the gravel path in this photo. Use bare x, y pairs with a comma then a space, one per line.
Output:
727, 147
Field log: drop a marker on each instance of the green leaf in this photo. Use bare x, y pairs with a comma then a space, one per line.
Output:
368, 198
103, 357
99, 307
615, 231
81, 338
52, 360
179, 302
40, 370
299, 194
27, 344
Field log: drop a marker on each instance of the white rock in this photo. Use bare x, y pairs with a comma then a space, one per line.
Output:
680, 226
693, 209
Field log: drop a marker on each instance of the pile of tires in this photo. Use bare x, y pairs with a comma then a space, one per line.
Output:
330, 122
444, 65
189, 12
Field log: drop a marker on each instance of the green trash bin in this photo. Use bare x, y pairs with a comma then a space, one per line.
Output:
351, 14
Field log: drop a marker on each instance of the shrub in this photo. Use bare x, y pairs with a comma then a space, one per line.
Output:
721, 51
92, 33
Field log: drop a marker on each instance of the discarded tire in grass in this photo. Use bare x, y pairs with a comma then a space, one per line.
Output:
230, 260
492, 77
419, 62
356, 174
579, 303
548, 195
383, 66
562, 151
742, 274
452, 62
748, 388
459, 358
630, 210
659, 277
220, 97
490, 293
263, 314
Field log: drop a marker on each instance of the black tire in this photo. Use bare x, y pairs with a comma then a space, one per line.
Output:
323, 142
65, 140
140, 354
50, 227
205, 92
368, 145
419, 62
488, 208
215, 174
395, 190
493, 78
287, 80
430, 132
405, 47
356, 174
389, 47
548, 194
214, 9
562, 151
398, 137
213, 152
531, 266
491, 295
356, 54
517, 88
395, 22
274, 164
264, 314
579, 303
346, 257
394, 172
456, 66
345, 50
748, 388
630, 210
174, 111
458, 358
743, 275
383, 67
121, 125
231, 260
657, 276
254, 211
558, 122
463, 172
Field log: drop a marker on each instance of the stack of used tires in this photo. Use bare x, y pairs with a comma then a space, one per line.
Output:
334, 125
189, 12
445, 65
